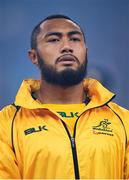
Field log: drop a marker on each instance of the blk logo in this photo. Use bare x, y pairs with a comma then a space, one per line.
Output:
35, 129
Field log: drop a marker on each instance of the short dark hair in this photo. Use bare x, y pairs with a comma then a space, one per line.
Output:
37, 28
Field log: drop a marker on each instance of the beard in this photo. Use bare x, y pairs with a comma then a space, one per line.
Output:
65, 78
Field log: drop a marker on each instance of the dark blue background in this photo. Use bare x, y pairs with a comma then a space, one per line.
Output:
105, 23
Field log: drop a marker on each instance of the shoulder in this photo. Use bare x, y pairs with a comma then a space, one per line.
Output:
123, 115
122, 112
6, 116
8, 111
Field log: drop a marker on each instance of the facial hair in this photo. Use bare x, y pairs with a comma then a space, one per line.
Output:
65, 78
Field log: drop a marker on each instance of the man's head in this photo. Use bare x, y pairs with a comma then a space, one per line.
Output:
58, 48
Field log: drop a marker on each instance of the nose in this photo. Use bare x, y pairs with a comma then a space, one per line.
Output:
66, 48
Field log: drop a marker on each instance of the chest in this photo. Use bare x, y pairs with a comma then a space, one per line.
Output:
41, 130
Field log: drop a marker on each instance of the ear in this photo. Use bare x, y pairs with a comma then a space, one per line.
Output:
86, 49
32, 54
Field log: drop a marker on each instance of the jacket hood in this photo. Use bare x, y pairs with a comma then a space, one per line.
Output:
98, 94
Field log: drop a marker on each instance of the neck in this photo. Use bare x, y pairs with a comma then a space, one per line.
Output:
52, 94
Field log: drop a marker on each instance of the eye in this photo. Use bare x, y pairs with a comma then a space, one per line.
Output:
75, 39
53, 40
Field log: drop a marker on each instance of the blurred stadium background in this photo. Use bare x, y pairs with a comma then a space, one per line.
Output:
105, 23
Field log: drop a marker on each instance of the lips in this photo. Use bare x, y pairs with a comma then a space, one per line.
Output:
67, 59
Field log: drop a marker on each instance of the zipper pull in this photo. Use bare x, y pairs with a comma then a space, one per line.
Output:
73, 142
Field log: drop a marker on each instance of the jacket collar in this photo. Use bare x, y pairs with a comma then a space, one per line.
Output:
98, 94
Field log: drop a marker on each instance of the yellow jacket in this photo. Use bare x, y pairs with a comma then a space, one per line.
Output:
35, 143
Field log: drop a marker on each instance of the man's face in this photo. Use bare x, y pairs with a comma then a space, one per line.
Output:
62, 53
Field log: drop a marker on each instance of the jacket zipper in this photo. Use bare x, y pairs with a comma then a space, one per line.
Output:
74, 151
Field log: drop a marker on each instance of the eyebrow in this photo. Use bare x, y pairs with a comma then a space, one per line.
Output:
59, 34
74, 32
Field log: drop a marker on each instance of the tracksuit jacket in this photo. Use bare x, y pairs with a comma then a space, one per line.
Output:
35, 142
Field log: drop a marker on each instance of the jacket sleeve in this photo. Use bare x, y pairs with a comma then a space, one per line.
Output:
8, 161
124, 115
126, 122
127, 163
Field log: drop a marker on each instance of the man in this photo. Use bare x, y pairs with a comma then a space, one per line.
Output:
63, 127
